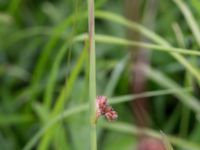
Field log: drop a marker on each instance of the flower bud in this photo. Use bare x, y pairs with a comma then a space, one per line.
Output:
103, 109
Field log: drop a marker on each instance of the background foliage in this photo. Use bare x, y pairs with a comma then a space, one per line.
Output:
44, 73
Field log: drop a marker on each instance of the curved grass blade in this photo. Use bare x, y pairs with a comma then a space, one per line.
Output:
78, 109
116, 74
50, 123
130, 129
64, 96
166, 82
120, 41
152, 36
190, 19
52, 79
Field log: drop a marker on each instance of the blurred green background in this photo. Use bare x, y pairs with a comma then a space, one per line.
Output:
44, 73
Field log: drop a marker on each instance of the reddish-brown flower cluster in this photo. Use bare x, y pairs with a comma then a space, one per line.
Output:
103, 109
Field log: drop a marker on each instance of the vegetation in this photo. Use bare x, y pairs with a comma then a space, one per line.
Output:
144, 53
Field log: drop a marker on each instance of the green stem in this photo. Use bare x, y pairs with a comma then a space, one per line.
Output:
92, 75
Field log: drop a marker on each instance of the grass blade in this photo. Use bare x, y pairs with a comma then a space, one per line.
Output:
152, 36
64, 96
166, 82
116, 74
78, 109
120, 41
130, 129
190, 19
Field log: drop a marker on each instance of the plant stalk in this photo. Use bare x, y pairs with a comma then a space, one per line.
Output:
92, 75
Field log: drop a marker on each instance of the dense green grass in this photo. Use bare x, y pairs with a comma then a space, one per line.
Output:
49, 80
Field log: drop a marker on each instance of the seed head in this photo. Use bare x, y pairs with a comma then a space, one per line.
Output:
104, 109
